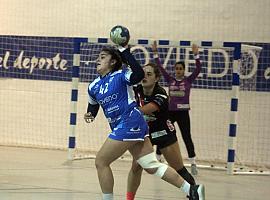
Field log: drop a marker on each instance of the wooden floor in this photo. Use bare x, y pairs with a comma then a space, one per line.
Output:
34, 174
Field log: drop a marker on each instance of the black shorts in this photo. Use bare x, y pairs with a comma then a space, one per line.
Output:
163, 138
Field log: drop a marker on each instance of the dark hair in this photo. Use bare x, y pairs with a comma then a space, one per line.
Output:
115, 55
180, 63
156, 69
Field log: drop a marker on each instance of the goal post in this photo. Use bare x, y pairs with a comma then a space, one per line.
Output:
74, 95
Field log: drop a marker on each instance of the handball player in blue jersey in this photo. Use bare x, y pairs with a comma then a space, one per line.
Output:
113, 91
179, 93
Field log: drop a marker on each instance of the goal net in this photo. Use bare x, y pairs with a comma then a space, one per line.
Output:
35, 98
210, 103
215, 79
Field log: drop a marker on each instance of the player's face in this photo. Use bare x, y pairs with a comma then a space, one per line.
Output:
104, 63
179, 70
150, 78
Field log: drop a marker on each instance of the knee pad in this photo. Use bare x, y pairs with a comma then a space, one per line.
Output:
150, 161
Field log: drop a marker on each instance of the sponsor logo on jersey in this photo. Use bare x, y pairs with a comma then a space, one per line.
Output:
177, 93
112, 109
108, 99
170, 125
136, 129
96, 86
158, 134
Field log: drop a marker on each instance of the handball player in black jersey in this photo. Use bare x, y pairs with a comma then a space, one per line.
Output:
153, 102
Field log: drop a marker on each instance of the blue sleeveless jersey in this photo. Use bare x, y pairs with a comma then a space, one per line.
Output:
115, 95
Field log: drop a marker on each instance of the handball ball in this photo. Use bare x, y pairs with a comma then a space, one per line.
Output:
120, 35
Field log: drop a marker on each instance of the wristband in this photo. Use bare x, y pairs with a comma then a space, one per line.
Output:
155, 55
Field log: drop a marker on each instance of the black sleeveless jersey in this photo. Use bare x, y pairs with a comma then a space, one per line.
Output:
159, 123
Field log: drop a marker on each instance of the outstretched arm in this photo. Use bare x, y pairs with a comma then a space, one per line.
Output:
138, 73
167, 77
196, 72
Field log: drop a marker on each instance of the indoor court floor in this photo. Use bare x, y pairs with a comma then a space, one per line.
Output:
38, 174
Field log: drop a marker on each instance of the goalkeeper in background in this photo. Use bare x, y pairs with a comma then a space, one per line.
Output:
179, 92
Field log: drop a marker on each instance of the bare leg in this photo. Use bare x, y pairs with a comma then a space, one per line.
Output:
143, 153
173, 156
141, 149
135, 173
109, 152
134, 177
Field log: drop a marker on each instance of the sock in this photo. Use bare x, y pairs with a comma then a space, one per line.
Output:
186, 175
192, 160
185, 187
108, 196
130, 196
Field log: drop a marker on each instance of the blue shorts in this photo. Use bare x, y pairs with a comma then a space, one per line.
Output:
131, 128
